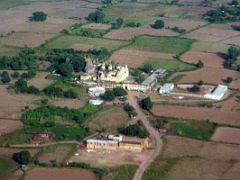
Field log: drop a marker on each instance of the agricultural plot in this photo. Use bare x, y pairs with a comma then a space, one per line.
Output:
212, 34
69, 103
39, 173
209, 47
40, 81
170, 65
11, 105
8, 126
227, 135
56, 153
208, 75
173, 45
214, 115
18, 31
69, 41
97, 26
209, 59
110, 119
130, 33
230, 104
135, 58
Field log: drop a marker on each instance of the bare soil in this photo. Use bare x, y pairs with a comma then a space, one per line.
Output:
209, 59
135, 58
8, 126
227, 135
130, 33
212, 114
39, 173
208, 75
70, 103
40, 81
81, 47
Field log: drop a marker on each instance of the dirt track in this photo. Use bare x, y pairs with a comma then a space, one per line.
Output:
154, 135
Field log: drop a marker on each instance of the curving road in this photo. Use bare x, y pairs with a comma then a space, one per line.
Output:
154, 135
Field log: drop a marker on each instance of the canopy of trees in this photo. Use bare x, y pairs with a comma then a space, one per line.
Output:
23, 157
233, 53
119, 91
97, 17
159, 24
38, 16
135, 130
5, 77
146, 103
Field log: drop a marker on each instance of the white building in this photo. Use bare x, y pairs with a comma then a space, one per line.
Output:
96, 91
118, 138
166, 88
95, 102
217, 93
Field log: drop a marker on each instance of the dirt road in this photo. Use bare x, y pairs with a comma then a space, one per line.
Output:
154, 135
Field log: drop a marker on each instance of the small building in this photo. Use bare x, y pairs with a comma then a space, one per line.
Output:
96, 91
38, 138
96, 102
115, 137
152, 79
218, 93
131, 146
96, 144
166, 88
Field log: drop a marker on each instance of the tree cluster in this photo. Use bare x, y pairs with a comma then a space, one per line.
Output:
38, 16
97, 17
135, 130
158, 24
5, 78
233, 53
146, 103
22, 157
54, 92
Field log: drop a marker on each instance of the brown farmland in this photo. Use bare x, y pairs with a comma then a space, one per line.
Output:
40, 81
39, 173
135, 58
81, 47
214, 115
130, 33
209, 59
11, 105
208, 75
227, 135
8, 126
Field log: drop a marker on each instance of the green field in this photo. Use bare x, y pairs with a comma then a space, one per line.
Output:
123, 172
6, 50
66, 41
173, 45
4, 166
170, 65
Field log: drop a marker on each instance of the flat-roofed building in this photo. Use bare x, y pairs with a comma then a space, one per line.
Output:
218, 93
97, 144
96, 91
166, 88
152, 79
95, 102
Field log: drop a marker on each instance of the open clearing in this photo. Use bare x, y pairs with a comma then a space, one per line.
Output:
227, 135
70, 103
81, 47
212, 34
130, 33
109, 119
185, 112
57, 153
173, 45
182, 146
19, 31
210, 47
135, 58
209, 59
8, 126
40, 81
109, 159
96, 26
11, 105
208, 75
68, 41
39, 173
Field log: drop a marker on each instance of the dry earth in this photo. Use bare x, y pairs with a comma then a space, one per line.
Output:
40, 81
214, 115
227, 135
8, 126
40, 173
81, 47
135, 58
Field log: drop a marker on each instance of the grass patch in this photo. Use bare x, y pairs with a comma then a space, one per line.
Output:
170, 65
124, 172
70, 133
109, 119
66, 41
6, 50
4, 166
173, 45
17, 137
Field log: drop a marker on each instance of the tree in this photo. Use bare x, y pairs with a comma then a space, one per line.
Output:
119, 91
234, 3
108, 95
54, 91
146, 103
15, 75
238, 68
97, 17
233, 53
23, 157
199, 64
228, 80
21, 86
159, 24
135, 130
200, 82
147, 68
70, 94
38, 16
5, 77
194, 89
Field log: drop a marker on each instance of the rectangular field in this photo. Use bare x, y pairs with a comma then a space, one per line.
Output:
227, 135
